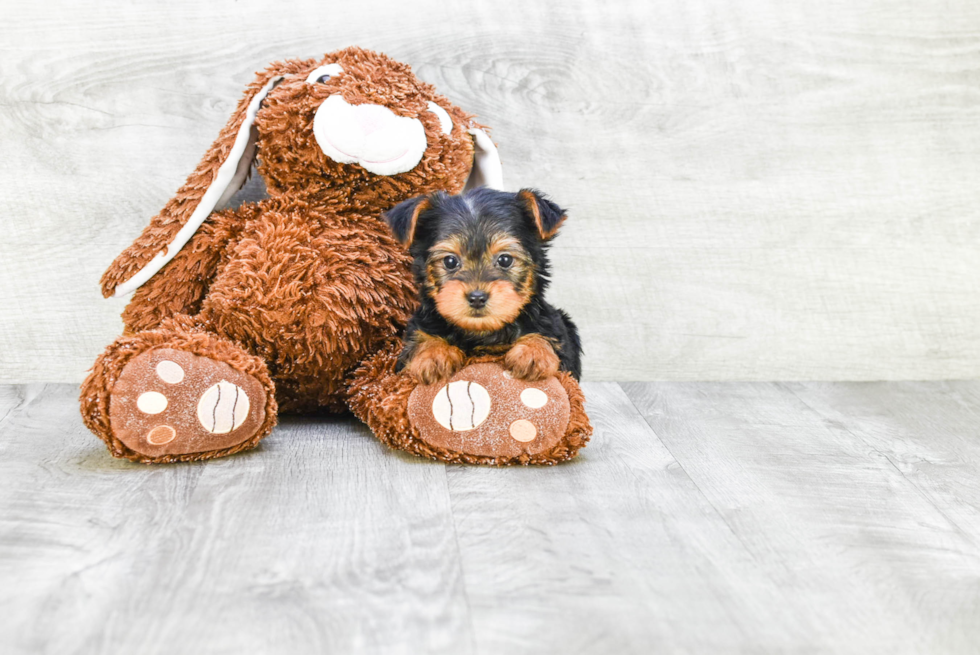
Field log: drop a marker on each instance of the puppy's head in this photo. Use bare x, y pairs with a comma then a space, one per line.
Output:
481, 256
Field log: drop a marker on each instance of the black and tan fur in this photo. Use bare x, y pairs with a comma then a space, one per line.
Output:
480, 261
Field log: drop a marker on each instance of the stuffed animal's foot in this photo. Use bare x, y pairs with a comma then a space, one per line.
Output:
484, 414
170, 402
178, 394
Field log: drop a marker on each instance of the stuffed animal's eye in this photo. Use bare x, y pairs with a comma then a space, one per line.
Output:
451, 262
505, 261
323, 73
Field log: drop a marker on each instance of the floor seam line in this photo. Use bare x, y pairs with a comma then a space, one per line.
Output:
703, 495
25, 401
714, 508
918, 490
459, 554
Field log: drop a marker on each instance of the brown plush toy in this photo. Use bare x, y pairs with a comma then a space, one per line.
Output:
293, 302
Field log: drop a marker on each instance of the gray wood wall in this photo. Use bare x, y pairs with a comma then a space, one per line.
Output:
762, 189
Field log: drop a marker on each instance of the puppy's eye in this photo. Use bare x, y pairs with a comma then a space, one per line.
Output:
451, 262
505, 261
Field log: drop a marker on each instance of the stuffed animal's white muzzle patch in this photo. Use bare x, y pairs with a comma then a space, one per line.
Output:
370, 135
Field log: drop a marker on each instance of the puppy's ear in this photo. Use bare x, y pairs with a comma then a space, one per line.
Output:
546, 216
403, 218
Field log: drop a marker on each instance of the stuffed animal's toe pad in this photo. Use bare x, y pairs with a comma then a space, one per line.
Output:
170, 402
484, 411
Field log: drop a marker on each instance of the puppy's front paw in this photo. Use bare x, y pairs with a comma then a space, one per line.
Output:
435, 361
531, 358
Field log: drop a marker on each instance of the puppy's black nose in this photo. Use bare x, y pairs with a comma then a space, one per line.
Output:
477, 299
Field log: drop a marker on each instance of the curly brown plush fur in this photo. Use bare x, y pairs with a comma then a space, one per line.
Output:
309, 282
379, 397
286, 297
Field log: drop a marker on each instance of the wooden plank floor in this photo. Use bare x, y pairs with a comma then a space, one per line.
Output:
703, 518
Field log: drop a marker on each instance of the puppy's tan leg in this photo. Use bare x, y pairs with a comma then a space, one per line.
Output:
532, 357
433, 359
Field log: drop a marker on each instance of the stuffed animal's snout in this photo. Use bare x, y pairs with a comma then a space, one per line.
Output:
370, 135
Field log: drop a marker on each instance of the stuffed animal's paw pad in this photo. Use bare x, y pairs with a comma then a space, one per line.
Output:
485, 411
167, 401
461, 405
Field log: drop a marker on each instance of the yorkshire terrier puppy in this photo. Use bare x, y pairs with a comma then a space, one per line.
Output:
480, 261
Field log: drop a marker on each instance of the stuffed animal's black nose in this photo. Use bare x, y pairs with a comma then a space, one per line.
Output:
477, 299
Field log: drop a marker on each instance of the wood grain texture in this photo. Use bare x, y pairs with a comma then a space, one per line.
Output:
616, 552
703, 518
318, 542
816, 496
757, 190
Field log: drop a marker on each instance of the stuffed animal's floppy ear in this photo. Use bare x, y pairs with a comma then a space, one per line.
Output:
486, 170
221, 173
546, 215
403, 218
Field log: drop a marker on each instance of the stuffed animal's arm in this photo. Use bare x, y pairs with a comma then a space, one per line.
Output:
181, 285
